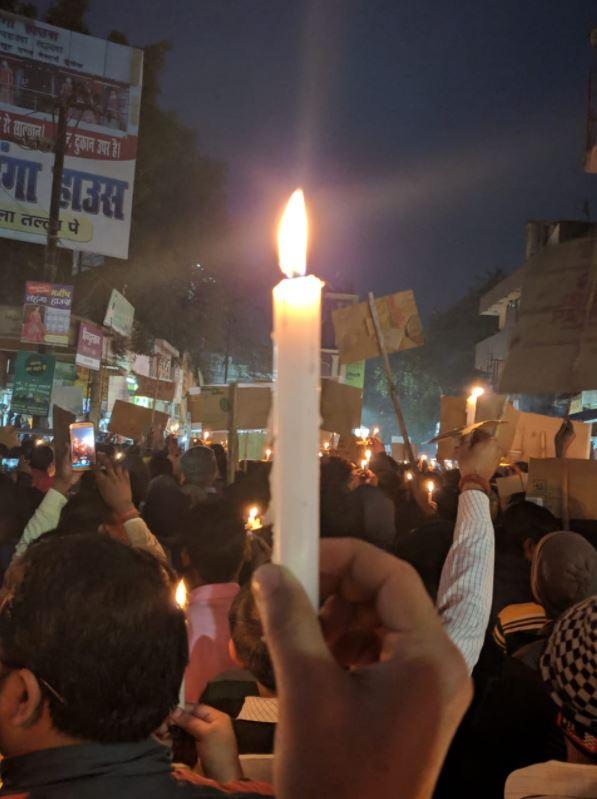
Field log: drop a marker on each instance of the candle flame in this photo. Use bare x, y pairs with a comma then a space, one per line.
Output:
477, 392
409, 476
253, 520
181, 594
268, 454
206, 435
326, 446
430, 486
292, 236
375, 432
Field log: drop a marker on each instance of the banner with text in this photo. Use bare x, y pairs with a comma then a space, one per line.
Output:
46, 314
32, 387
40, 66
89, 346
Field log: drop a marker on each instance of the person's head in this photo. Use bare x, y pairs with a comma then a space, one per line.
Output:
27, 447
525, 524
563, 571
138, 474
159, 464
336, 473
199, 466
221, 459
213, 544
86, 511
247, 644
42, 457
92, 645
569, 670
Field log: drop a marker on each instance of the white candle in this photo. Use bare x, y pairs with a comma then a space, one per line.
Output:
180, 598
471, 404
296, 411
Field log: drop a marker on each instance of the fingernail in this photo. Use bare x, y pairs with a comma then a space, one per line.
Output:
177, 713
266, 580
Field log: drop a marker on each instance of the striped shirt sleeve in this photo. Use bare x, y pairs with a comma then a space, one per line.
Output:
466, 583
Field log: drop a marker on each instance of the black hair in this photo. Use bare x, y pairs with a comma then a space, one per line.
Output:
159, 463
138, 475
221, 460
97, 621
42, 458
86, 510
215, 539
247, 636
524, 520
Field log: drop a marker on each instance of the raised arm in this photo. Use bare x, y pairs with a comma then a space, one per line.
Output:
466, 584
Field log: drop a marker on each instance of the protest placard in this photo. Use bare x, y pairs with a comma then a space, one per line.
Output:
135, 421
340, 406
535, 438
46, 314
549, 477
32, 387
399, 320
452, 415
554, 347
510, 485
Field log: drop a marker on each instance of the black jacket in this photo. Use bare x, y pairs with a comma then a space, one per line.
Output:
96, 771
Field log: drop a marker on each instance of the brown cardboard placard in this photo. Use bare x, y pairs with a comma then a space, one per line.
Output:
135, 421
340, 407
535, 436
400, 324
507, 486
553, 349
211, 407
61, 422
546, 479
452, 415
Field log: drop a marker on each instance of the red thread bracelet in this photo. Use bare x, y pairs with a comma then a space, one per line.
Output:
122, 518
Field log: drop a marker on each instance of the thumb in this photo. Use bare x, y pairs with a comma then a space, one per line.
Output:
292, 630
189, 722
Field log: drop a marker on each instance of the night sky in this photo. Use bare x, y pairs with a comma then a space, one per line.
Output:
425, 134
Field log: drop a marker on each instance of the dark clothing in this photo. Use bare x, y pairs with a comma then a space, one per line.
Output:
514, 725
511, 582
96, 771
164, 508
252, 737
426, 550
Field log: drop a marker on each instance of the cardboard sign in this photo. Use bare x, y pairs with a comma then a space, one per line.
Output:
399, 320
535, 436
211, 407
134, 421
159, 389
340, 407
452, 415
546, 481
553, 349
61, 421
507, 486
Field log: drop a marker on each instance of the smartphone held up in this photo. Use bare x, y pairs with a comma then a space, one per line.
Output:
82, 446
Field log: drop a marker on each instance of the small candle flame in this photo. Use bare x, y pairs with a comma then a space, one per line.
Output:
326, 446
268, 454
181, 594
364, 464
293, 236
430, 486
409, 475
375, 432
368, 455
477, 392
206, 435
253, 520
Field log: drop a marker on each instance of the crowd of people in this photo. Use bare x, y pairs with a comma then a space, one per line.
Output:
454, 653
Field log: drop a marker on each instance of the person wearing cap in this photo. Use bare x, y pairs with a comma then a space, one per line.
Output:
569, 670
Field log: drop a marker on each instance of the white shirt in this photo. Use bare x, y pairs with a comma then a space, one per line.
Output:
466, 584
553, 780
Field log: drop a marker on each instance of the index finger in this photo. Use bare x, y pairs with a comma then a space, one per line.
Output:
363, 574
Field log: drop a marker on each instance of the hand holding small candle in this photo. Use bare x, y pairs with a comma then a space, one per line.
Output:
430, 490
253, 520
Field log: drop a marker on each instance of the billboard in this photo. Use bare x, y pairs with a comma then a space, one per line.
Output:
33, 380
89, 346
120, 314
41, 65
46, 313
